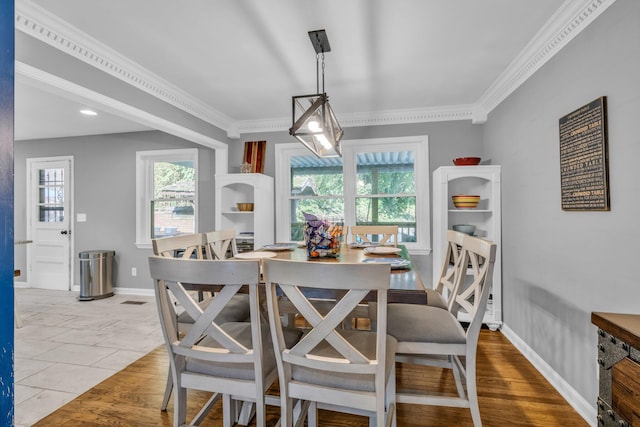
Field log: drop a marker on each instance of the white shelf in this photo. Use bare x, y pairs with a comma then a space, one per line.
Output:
484, 181
246, 188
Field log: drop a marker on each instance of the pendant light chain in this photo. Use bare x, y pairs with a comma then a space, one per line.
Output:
317, 74
323, 71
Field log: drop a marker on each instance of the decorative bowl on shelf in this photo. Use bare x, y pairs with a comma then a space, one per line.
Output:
245, 207
465, 201
466, 161
464, 228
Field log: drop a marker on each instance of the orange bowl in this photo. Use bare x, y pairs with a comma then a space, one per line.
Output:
466, 161
465, 201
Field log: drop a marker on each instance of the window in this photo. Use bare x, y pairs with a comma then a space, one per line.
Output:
166, 194
376, 182
50, 195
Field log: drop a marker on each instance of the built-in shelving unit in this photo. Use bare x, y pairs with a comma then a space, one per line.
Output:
449, 181
256, 228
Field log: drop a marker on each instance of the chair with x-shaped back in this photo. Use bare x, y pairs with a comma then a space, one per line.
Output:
220, 244
374, 234
429, 335
233, 360
332, 368
189, 246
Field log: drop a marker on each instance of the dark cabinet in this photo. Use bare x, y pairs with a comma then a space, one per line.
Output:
618, 368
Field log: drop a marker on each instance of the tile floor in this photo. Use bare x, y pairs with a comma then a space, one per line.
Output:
65, 346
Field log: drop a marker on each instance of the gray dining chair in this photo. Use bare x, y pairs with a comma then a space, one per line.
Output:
189, 246
442, 294
378, 234
429, 335
220, 244
233, 360
332, 368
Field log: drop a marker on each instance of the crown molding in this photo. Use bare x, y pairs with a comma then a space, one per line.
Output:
48, 28
374, 118
568, 21
54, 84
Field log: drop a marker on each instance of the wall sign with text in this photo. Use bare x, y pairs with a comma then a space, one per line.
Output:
584, 158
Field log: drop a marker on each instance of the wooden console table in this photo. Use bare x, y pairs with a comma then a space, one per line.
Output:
619, 368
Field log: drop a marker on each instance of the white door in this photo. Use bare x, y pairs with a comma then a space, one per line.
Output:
49, 211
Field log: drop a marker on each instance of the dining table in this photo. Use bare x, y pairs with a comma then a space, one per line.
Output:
405, 284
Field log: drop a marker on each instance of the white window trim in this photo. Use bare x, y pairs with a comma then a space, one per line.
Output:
144, 188
418, 144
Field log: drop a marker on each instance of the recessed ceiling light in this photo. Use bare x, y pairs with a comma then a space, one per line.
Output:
88, 112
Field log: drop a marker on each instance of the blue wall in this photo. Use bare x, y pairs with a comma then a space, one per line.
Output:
7, 55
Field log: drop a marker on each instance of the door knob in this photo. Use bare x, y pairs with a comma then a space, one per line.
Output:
64, 232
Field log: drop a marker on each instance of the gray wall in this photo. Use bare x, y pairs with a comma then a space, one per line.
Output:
104, 189
447, 140
560, 266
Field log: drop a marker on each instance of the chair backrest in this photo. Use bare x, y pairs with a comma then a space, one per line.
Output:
452, 267
170, 273
473, 289
226, 358
297, 279
189, 244
217, 243
384, 234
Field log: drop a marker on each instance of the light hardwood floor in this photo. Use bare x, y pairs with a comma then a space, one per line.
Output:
511, 393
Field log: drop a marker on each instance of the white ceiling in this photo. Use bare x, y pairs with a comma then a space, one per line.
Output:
242, 60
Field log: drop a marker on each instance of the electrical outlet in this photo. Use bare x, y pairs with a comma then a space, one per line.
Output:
134, 271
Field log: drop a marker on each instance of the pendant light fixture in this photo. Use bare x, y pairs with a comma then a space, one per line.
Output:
314, 123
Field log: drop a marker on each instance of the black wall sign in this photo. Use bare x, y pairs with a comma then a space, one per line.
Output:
584, 158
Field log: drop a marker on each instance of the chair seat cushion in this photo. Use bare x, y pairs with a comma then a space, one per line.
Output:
237, 310
435, 299
422, 323
365, 342
241, 331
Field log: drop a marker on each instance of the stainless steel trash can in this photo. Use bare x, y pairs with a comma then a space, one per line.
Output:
96, 274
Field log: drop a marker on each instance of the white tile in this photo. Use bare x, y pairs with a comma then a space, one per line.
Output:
68, 378
24, 368
80, 336
44, 319
62, 336
76, 354
120, 359
28, 348
88, 322
23, 393
132, 342
38, 332
39, 406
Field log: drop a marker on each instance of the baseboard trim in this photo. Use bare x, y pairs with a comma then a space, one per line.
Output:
133, 291
587, 410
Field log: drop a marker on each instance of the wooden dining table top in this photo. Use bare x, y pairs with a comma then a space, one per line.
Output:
405, 284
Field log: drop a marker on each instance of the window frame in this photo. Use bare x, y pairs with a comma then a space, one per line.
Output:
144, 187
418, 144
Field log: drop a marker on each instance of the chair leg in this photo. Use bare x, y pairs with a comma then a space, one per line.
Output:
312, 415
390, 399
286, 411
227, 411
180, 406
167, 391
456, 367
472, 391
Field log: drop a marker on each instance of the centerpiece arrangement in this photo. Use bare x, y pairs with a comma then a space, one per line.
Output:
322, 236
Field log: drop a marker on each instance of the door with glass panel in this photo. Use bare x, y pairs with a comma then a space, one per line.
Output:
49, 223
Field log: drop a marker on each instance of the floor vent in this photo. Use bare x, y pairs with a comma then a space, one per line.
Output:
134, 302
